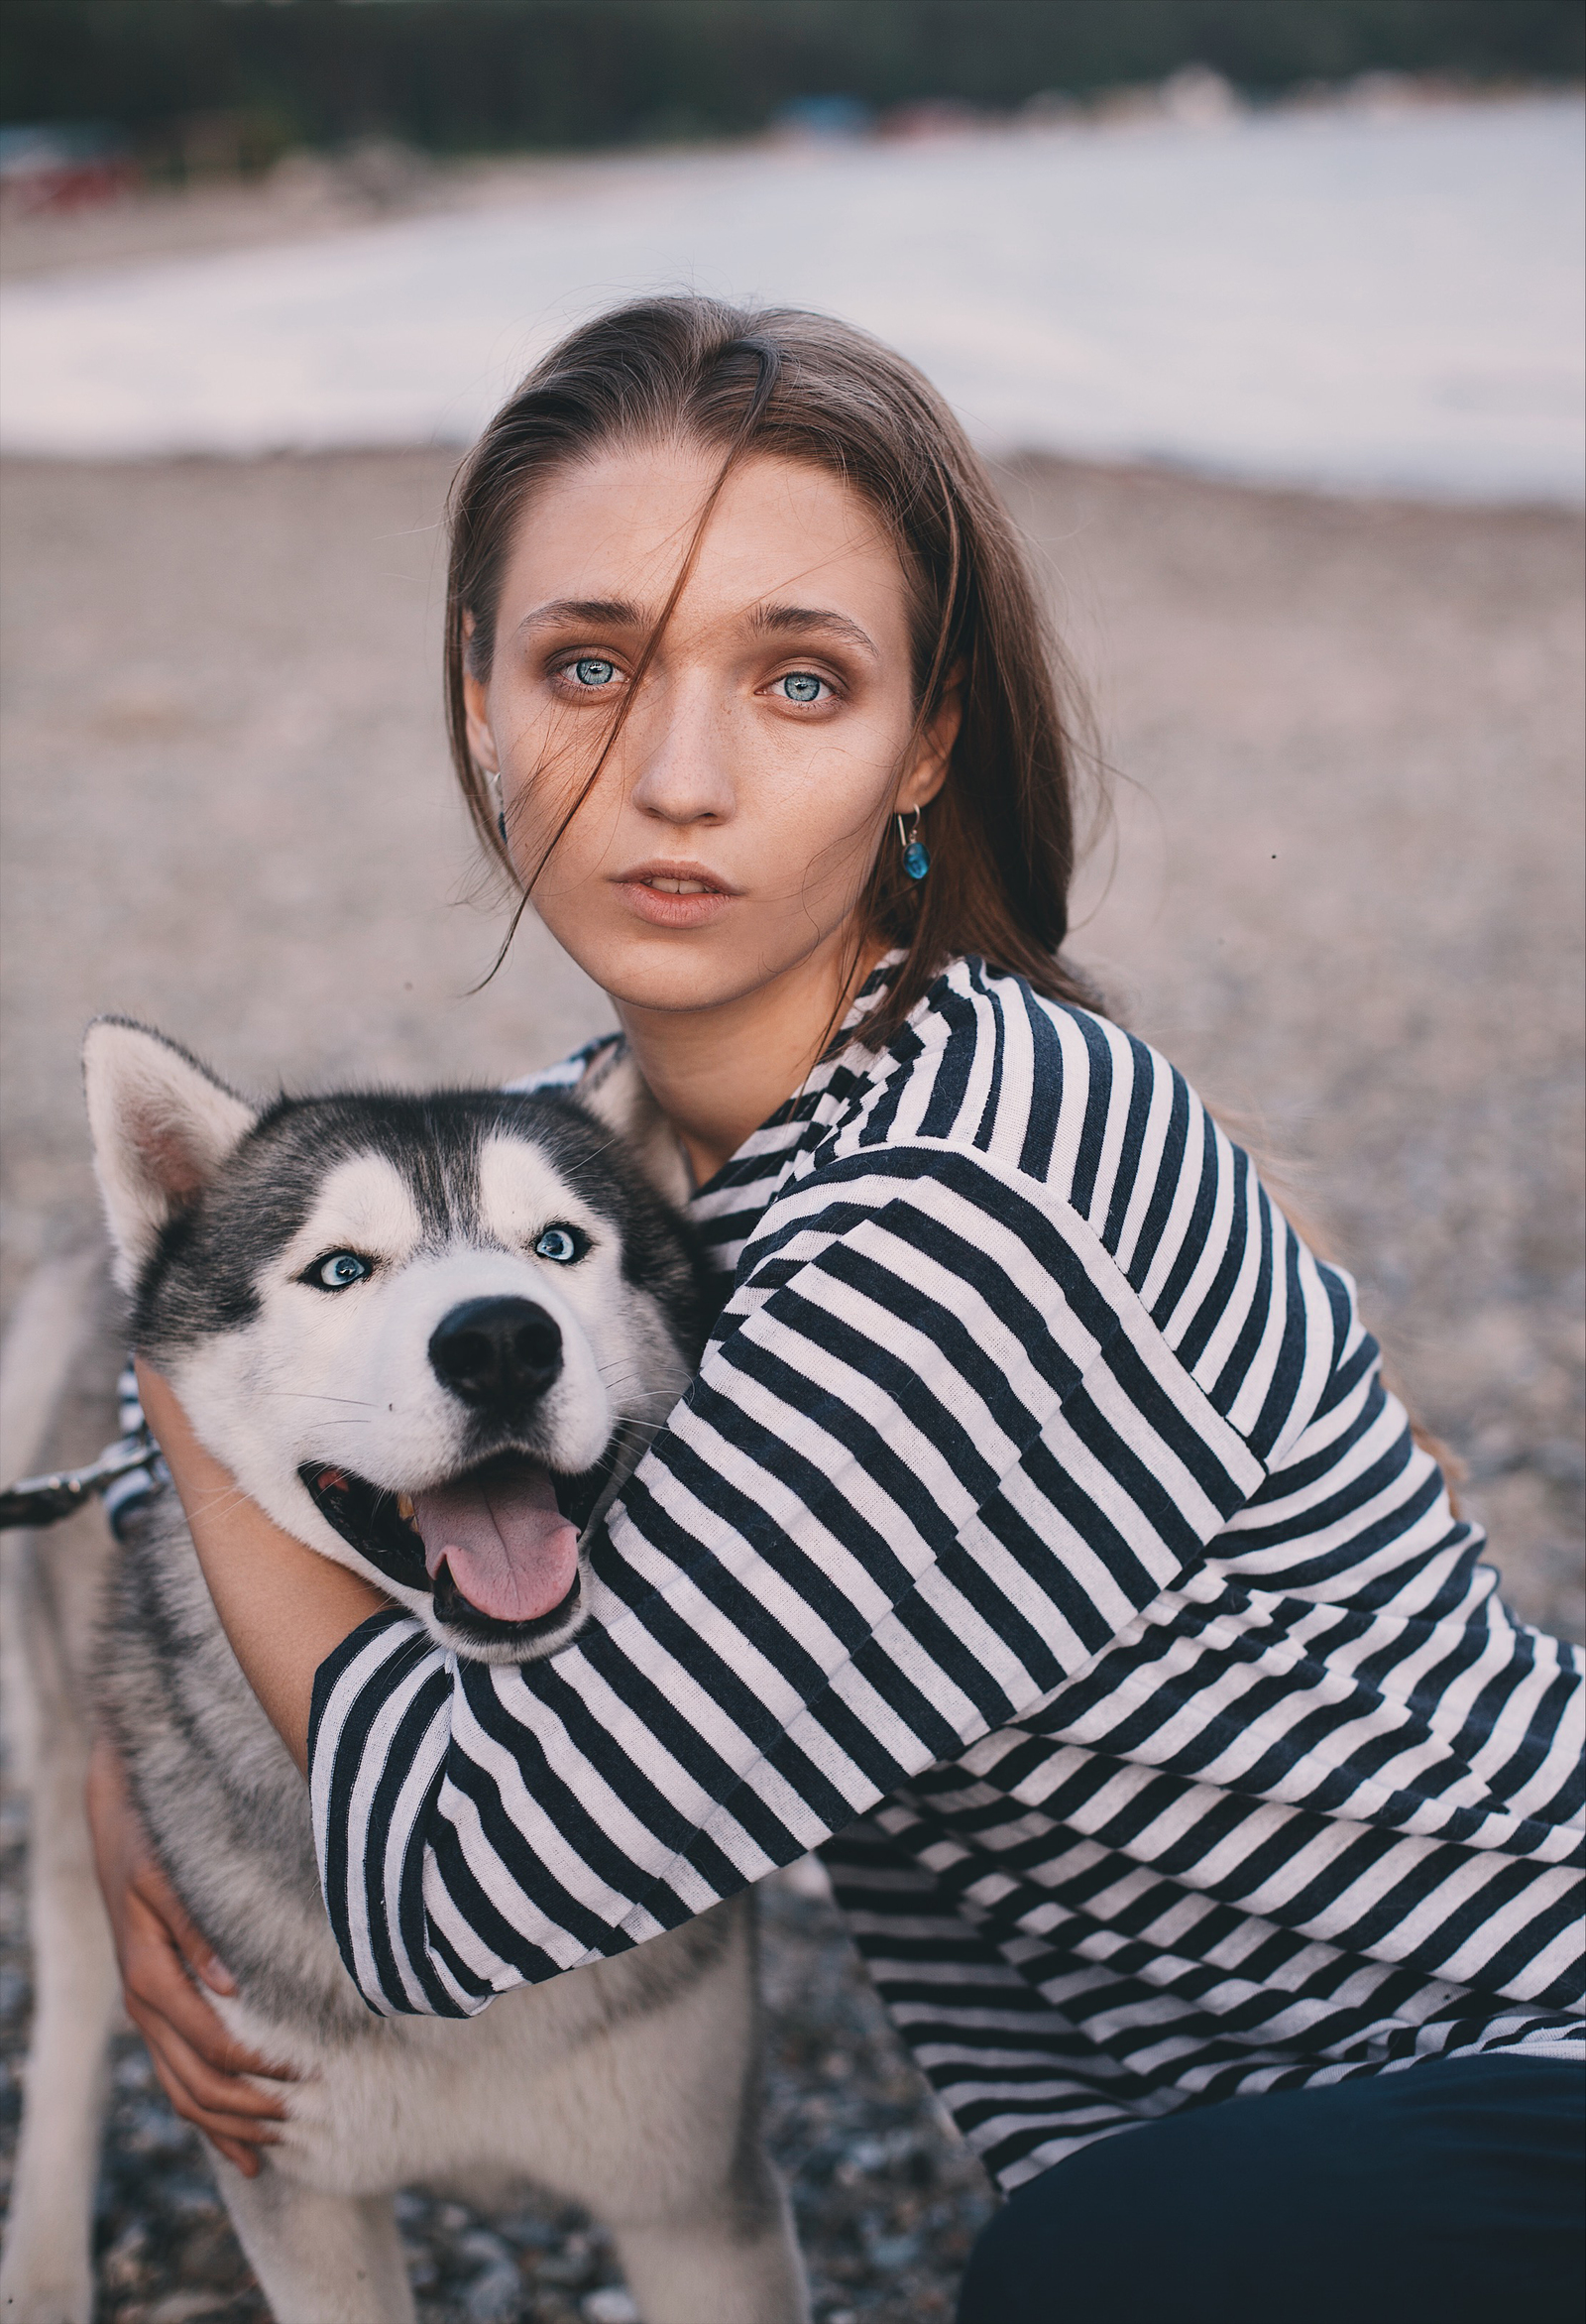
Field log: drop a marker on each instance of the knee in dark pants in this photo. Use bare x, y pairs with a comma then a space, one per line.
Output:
1006, 2273
1447, 2194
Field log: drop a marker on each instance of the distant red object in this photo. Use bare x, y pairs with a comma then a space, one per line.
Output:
72, 167
931, 117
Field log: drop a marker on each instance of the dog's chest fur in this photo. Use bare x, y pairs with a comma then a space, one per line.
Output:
404, 2099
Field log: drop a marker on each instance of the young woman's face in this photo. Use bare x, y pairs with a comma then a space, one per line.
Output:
731, 832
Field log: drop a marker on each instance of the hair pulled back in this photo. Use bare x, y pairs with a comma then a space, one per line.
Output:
805, 386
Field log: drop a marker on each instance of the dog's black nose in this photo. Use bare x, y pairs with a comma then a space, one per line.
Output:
497, 1353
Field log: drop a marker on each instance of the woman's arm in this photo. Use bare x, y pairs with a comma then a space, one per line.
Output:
256, 1574
937, 1458
252, 1571
199, 2066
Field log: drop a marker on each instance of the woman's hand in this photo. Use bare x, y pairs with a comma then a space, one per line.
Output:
200, 2067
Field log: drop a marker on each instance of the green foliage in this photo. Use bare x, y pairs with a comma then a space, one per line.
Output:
479, 74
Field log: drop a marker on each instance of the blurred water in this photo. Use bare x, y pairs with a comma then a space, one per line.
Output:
1324, 299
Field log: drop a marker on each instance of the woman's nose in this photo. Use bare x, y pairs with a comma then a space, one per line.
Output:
686, 773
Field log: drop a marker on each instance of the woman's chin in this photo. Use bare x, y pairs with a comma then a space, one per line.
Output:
744, 950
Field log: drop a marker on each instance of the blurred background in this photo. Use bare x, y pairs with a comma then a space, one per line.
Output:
1268, 313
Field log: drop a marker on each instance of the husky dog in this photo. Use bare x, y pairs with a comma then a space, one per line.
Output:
430, 1336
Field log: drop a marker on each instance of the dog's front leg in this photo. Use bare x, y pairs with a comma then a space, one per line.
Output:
320, 2259
47, 2276
737, 2264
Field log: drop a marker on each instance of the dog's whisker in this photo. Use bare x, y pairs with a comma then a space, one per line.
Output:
220, 1504
320, 1395
627, 1375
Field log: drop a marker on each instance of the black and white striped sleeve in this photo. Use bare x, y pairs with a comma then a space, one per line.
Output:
940, 1453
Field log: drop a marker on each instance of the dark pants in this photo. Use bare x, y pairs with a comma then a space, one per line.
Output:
1450, 2193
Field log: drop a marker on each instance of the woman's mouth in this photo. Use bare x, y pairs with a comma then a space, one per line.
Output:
674, 895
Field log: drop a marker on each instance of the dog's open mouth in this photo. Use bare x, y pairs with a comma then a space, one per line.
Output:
498, 1545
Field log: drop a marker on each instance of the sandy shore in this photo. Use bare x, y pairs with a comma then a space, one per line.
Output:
1342, 892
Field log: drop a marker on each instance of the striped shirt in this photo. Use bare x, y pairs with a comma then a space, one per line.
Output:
1040, 1541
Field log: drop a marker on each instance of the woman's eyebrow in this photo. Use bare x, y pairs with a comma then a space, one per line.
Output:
805, 621
594, 613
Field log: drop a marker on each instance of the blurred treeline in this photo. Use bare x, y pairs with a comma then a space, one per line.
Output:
464, 75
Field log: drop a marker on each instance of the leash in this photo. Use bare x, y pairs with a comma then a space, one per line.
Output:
44, 1500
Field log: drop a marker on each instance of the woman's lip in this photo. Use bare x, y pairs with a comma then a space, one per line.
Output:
673, 872
674, 895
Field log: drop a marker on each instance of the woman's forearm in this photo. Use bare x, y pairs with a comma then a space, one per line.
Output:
282, 1606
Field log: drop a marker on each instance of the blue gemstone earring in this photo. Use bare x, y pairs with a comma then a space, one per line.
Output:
495, 782
916, 854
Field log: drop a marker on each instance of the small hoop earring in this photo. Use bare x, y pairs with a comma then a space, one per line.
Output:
916, 854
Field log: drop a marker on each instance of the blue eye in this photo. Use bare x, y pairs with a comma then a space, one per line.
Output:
564, 1244
801, 686
591, 670
340, 1269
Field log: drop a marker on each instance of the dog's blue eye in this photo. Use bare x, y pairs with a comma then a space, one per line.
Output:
591, 670
560, 1244
340, 1269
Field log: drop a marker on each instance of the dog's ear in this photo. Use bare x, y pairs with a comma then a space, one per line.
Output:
615, 1092
161, 1126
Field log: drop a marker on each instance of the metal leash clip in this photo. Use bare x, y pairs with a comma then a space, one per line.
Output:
44, 1501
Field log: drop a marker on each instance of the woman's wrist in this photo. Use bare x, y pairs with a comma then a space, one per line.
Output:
282, 1606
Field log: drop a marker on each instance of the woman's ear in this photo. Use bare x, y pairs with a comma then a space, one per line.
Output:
476, 702
934, 755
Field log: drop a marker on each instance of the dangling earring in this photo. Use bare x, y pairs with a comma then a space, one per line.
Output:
495, 782
916, 854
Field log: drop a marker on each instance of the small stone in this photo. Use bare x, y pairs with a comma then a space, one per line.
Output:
122, 2264
890, 2253
808, 1876
571, 2268
539, 2233
495, 2295
612, 2304
422, 2271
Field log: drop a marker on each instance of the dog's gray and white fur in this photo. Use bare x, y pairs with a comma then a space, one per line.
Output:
630, 2086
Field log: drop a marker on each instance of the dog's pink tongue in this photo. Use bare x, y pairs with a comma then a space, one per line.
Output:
511, 1551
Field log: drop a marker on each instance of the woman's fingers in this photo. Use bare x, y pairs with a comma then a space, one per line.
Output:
158, 1991
241, 2159
152, 1889
233, 2136
240, 2111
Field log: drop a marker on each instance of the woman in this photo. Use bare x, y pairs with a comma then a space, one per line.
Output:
1038, 1538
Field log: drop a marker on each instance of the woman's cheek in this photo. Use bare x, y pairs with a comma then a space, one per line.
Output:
829, 818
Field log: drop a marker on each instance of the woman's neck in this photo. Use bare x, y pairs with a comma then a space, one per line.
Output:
716, 1073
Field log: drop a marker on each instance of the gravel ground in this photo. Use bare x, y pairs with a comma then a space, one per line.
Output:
888, 2200
1341, 888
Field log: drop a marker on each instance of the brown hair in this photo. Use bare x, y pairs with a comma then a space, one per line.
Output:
1002, 829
